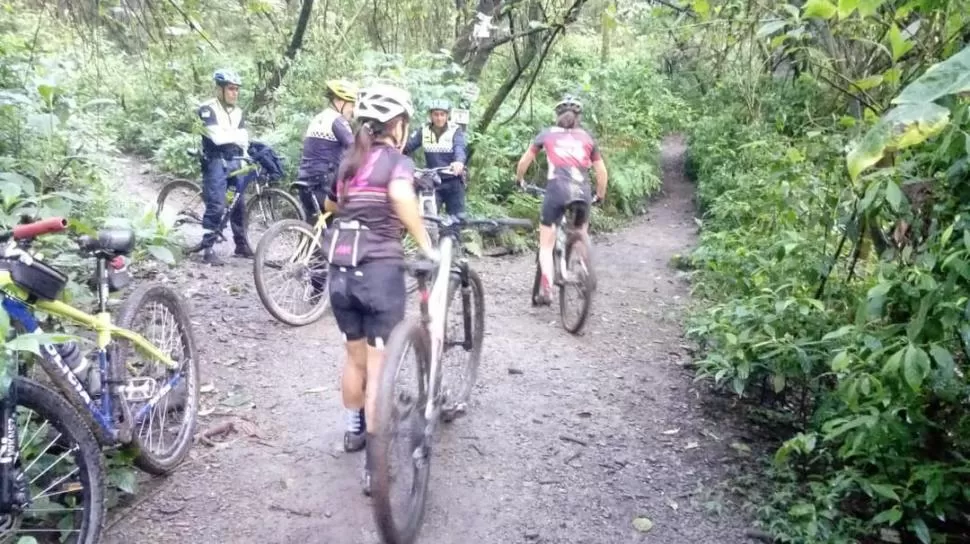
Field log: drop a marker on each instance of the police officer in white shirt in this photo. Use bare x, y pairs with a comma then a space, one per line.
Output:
444, 145
225, 140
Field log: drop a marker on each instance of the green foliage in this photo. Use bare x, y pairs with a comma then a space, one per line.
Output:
843, 303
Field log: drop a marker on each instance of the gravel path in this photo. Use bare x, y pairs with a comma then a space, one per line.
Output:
567, 439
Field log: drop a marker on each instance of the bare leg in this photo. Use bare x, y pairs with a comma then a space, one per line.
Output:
355, 375
547, 240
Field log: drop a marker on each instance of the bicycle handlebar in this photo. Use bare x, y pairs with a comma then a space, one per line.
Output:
35, 229
437, 169
535, 190
460, 221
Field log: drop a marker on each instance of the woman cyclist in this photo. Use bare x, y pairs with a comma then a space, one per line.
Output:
570, 152
326, 140
375, 201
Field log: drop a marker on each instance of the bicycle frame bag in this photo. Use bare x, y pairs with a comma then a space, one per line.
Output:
37, 278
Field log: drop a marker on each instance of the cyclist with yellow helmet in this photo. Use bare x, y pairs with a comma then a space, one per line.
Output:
327, 138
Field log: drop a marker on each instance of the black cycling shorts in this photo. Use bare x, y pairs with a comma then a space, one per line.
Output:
368, 301
559, 196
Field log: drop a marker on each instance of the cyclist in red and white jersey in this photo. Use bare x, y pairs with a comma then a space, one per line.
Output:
570, 153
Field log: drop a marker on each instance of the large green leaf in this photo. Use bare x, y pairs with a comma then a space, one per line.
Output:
951, 76
869, 7
893, 195
899, 45
902, 127
823, 9
701, 7
770, 28
916, 364
846, 7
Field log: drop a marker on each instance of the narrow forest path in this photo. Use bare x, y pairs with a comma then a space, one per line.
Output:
585, 435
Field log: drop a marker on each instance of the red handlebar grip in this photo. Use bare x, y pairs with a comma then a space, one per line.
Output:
38, 228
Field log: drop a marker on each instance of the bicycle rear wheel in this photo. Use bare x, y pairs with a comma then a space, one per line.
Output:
180, 205
289, 260
160, 315
61, 470
399, 428
268, 207
581, 280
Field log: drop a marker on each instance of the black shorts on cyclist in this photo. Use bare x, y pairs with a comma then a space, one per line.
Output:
367, 292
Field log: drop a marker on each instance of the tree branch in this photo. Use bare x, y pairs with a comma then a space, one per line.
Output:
678, 9
506, 39
535, 74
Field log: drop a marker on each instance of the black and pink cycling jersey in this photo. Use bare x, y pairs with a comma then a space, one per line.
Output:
364, 198
570, 153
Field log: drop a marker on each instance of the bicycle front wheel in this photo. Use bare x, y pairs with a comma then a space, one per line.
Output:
60, 471
268, 207
161, 316
400, 456
290, 273
580, 280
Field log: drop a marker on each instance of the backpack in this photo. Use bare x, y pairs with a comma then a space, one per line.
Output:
271, 163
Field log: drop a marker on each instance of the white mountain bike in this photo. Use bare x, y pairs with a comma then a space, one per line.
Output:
411, 416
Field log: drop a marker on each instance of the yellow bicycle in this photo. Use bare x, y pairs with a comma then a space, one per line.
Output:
127, 391
290, 269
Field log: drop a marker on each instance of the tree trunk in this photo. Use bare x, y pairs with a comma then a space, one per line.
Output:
264, 94
466, 52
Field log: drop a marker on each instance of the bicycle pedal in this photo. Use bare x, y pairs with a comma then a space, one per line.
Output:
139, 389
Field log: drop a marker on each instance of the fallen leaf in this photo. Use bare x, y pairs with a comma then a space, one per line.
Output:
691, 445
741, 448
642, 524
320, 389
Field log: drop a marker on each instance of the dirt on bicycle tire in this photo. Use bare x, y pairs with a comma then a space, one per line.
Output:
597, 438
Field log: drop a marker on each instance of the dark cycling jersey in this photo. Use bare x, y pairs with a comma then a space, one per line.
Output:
328, 135
569, 152
364, 198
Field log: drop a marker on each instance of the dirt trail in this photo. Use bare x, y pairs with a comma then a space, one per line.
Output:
585, 435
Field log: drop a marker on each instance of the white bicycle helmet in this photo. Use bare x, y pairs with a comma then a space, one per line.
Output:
569, 103
383, 103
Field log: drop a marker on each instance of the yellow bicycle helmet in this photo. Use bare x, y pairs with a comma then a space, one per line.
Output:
342, 89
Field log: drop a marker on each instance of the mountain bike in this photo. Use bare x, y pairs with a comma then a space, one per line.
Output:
106, 391
302, 265
572, 262
182, 200
412, 417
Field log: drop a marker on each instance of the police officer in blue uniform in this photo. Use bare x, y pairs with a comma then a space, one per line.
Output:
444, 145
224, 140
327, 138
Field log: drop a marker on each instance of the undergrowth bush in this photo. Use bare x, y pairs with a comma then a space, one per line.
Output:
862, 348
